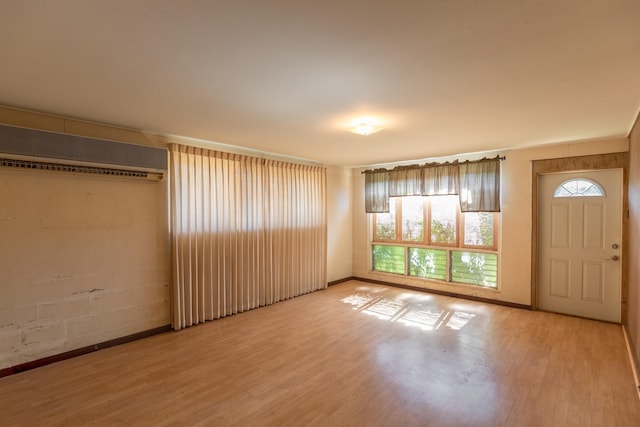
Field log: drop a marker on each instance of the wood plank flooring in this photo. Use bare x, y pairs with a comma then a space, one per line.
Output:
356, 354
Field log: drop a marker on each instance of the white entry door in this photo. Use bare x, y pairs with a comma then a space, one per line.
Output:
579, 240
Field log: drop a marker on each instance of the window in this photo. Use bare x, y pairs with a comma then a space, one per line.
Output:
443, 224
412, 219
388, 258
428, 237
429, 263
474, 268
580, 187
386, 224
479, 229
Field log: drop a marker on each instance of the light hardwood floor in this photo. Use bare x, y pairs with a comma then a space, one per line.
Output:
356, 354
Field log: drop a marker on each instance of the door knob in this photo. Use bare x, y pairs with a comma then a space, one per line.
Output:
615, 257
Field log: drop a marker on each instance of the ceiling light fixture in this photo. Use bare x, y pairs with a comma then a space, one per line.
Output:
365, 126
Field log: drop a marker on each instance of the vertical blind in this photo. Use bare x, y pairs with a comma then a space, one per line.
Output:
477, 183
246, 232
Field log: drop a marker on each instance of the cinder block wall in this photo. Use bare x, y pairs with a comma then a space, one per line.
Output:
83, 259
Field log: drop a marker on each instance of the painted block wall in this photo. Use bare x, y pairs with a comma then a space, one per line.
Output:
515, 222
83, 259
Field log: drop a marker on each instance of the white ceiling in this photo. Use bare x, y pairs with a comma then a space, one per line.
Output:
446, 77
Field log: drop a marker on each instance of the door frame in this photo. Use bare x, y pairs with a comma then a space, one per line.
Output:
577, 164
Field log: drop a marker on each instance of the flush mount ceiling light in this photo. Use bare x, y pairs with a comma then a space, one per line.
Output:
365, 126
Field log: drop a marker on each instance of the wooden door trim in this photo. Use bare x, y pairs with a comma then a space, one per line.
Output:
576, 164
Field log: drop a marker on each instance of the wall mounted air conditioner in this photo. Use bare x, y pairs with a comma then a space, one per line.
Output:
36, 149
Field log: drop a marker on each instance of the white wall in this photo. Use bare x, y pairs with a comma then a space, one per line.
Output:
339, 217
515, 232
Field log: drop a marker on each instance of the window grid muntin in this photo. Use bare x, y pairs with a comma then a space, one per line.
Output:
579, 187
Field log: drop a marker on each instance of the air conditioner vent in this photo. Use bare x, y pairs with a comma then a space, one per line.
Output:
35, 149
63, 167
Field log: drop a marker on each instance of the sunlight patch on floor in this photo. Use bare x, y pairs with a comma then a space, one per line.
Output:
416, 316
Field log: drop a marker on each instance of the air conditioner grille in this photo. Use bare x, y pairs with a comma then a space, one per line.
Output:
61, 167
39, 144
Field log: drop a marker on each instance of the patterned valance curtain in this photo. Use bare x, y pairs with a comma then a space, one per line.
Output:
477, 183
245, 232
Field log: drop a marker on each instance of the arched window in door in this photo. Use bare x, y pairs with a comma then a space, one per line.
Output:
579, 187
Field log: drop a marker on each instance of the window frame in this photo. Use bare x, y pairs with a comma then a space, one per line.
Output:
427, 243
399, 208
456, 244
460, 227
375, 224
496, 225
602, 192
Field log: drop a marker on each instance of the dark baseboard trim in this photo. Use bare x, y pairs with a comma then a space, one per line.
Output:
448, 294
80, 351
337, 282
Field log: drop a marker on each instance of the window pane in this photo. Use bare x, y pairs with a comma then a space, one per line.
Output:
443, 219
478, 229
474, 268
386, 223
413, 219
388, 258
431, 263
579, 188
593, 190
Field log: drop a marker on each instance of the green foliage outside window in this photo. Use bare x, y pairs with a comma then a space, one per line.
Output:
385, 231
386, 223
413, 219
443, 232
413, 230
430, 263
474, 268
478, 229
389, 259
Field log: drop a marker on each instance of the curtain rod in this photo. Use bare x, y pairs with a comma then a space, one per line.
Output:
434, 164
